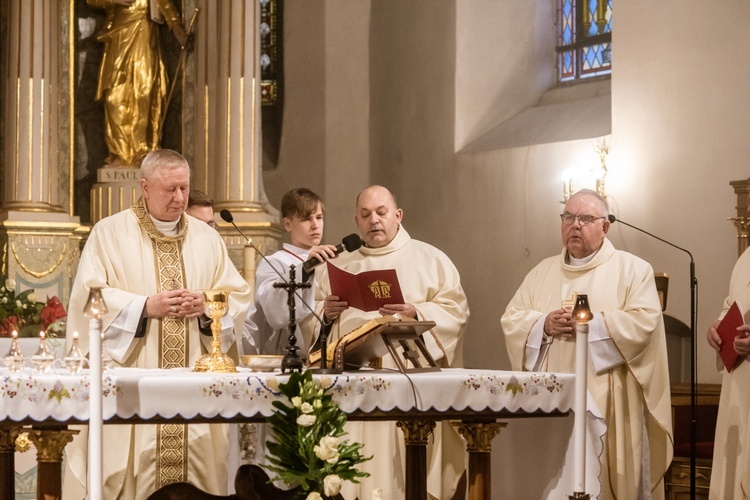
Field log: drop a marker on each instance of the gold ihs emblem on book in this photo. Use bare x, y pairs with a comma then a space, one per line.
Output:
380, 289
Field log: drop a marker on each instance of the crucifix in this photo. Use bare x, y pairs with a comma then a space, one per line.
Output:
292, 360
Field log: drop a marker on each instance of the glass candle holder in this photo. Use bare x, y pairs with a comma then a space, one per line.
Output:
14, 358
74, 359
43, 358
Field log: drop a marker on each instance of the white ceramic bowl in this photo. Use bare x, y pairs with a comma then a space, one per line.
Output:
261, 363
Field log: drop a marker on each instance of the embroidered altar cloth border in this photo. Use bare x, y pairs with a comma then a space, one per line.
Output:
143, 393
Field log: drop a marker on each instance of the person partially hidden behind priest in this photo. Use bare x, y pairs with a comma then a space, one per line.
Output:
628, 376
730, 470
201, 207
267, 326
432, 290
151, 262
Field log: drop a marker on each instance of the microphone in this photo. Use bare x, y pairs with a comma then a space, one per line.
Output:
693, 376
227, 216
612, 219
349, 243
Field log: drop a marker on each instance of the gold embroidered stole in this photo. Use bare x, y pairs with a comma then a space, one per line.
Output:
171, 439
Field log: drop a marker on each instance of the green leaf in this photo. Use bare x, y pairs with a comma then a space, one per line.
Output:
291, 453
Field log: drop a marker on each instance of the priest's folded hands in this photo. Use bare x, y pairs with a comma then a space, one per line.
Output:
180, 303
560, 322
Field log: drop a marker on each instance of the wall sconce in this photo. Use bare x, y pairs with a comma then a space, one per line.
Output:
598, 173
567, 189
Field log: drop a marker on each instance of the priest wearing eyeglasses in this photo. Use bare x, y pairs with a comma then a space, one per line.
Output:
628, 376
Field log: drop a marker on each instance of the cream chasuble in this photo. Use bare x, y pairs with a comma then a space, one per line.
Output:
130, 259
730, 472
633, 397
430, 282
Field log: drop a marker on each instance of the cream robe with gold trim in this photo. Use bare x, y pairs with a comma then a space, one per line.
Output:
119, 256
620, 286
730, 472
430, 282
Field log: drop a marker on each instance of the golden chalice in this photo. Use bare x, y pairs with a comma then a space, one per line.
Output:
216, 307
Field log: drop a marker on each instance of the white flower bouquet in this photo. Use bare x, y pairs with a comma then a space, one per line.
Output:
308, 449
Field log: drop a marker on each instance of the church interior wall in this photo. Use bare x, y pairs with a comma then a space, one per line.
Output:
392, 92
679, 103
675, 141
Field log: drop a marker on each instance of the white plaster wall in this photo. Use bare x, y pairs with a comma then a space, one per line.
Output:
347, 89
303, 144
488, 94
680, 120
325, 136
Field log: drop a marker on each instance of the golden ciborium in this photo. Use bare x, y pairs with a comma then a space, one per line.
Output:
216, 307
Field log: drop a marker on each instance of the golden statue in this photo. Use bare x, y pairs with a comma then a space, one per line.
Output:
132, 76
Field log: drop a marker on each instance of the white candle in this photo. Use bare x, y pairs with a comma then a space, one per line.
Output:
96, 422
579, 423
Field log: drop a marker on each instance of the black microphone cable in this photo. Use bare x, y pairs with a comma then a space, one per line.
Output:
227, 216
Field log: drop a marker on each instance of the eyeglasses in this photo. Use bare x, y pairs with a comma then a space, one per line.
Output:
584, 220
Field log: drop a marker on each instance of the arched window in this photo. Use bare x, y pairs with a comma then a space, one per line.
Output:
584, 39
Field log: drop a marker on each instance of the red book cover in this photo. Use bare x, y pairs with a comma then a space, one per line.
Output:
728, 331
367, 291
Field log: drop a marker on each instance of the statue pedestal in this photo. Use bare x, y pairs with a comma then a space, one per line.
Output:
116, 189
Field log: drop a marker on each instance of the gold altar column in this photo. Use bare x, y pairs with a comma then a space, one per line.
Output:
38, 234
226, 116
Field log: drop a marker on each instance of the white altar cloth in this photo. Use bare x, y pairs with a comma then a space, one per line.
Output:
134, 392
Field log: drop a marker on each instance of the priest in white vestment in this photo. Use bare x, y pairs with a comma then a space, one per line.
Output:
730, 470
432, 291
152, 261
628, 375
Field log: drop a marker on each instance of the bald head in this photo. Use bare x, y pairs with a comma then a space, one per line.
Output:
378, 216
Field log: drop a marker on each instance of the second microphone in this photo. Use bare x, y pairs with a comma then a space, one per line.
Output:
349, 243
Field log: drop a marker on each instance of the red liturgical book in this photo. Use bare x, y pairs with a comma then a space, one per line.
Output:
728, 331
367, 291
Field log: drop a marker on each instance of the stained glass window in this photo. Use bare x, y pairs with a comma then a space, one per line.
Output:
584, 39
270, 50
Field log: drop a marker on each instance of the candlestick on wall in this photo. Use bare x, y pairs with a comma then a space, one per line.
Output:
94, 310
567, 189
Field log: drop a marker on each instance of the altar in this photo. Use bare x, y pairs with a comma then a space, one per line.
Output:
476, 399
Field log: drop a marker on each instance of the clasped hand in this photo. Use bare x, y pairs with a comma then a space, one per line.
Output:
560, 322
180, 303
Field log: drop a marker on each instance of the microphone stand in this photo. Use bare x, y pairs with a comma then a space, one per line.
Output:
693, 395
324, 352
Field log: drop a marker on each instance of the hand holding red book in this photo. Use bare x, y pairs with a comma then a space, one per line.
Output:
727, 330
368, 290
